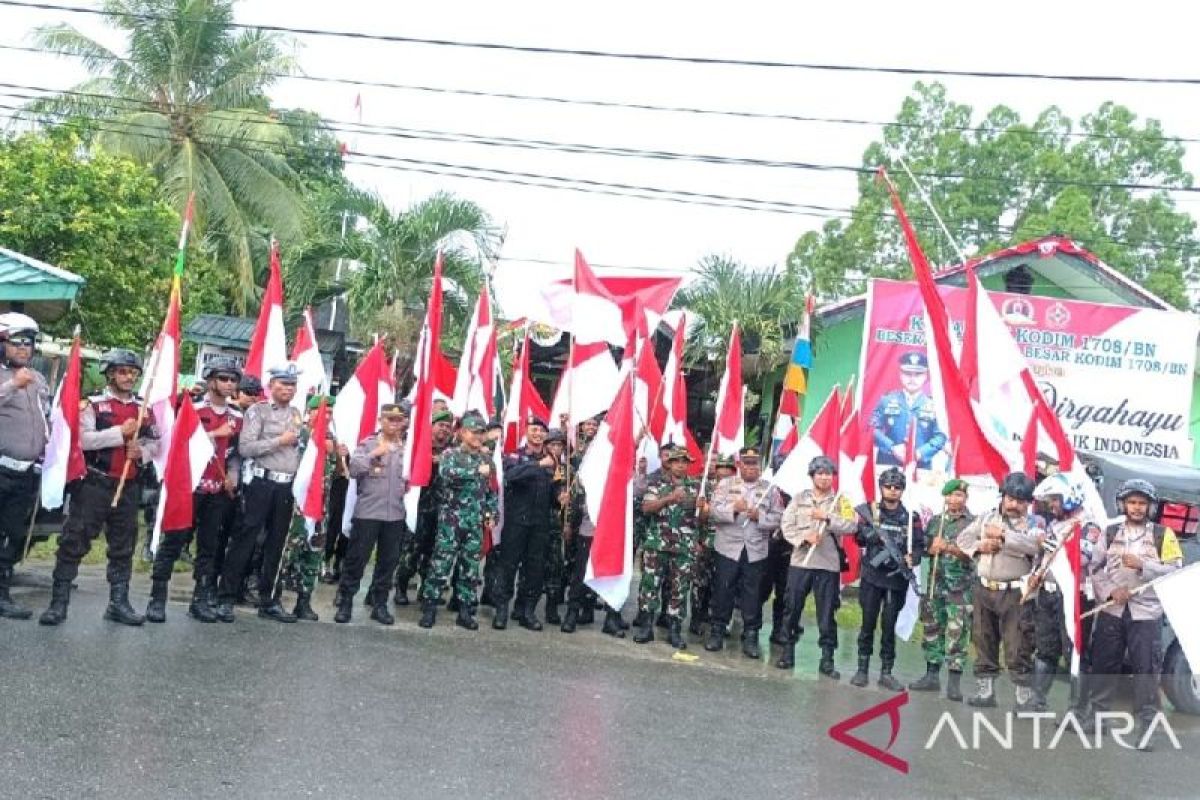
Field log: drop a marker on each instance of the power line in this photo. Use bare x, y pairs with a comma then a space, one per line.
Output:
626, 55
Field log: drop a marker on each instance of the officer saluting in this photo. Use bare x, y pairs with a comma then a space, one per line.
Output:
270, 437
24, 399
112, 446
898, 411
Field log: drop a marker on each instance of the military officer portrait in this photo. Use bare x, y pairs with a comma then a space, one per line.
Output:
898, 411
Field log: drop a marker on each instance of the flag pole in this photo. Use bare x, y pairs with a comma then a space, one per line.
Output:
1136, 591
929, 204
720, 409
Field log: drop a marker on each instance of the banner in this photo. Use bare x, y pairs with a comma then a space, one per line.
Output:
1120, 378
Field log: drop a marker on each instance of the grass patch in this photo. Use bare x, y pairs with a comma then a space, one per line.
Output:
44, 552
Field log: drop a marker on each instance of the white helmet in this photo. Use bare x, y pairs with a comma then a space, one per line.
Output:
14, 322
1059, 484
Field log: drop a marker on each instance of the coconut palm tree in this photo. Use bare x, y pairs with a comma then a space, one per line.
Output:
189, 101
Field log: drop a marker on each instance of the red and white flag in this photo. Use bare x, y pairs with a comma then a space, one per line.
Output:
729, 431
856, 467
606, 476
309, 486
160, 385
307, 358
823, 438
479, 367
188, 455
596, 315
268, 344
418, 450
1066, 569
356, 414
64, 462
590, 381
523, 400
674, 393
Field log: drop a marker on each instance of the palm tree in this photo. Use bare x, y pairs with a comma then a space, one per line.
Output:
189, 101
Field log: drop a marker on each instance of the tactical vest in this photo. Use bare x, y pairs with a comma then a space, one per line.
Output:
111, 413
213, 479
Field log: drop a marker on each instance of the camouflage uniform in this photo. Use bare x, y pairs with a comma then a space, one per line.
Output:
946, 613
415, 550
464, 499
703, 577
673, 539
555, 574
304, 557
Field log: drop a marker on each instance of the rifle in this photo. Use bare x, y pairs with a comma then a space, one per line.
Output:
891, 552
1035, 578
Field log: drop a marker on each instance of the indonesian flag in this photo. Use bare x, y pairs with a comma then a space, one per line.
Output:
187, 457
418, 451
606, 476
591, 378
160, 385
596, 315
729, 432
674, 393
854, 480
523, 400
268, 344
1179, 593
356, 414
311, 369
63, 461
309, 486
479, 368
1065, 566
822, 438
784, 435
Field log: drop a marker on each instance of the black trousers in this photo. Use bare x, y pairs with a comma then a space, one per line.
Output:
737, 581
1111, 638
18, 493
775, 579
211, 514
366, 535
522, 547
267, 508
825, 587
876, 599
335, 540
91, 513
1049, 628
578, 593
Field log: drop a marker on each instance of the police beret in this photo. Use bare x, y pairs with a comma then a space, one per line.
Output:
914, 361
954, 485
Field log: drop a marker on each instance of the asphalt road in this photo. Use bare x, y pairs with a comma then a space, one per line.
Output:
262, 710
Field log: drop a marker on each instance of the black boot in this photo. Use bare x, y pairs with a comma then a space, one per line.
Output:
518, 611
571, 620
8, 608
60, 598
587, 614
381, 614
401, 598
552, 615
201, 606
930, 681
428, 614
1043, 679
675, 634
500, 620
466, 618
156, 609
716, 638
888, 681
345, 607
643, 628
825, 666
860, 678
454, 604
750, 648
612, 624
696, 626
224, 610
787, 656
272, 609
304, 610
954, 686
119, 609
529, 619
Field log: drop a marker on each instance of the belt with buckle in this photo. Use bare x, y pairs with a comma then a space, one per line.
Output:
15, 464
272, 475
999, 586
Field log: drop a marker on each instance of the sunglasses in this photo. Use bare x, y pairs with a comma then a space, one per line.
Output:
22, 342
225, 378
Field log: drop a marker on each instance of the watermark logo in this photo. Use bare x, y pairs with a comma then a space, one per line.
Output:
841, 732
986, 734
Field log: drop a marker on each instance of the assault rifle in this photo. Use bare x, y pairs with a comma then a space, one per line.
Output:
891, 552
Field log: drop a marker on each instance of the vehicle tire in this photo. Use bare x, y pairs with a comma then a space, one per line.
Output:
1180, 684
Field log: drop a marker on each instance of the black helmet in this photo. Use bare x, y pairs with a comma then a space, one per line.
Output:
892, 477
1018, 485
250, 384
1138, 486
822, 464
221, 365
120, 357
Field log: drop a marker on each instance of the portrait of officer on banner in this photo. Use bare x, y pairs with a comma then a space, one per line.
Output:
899, 410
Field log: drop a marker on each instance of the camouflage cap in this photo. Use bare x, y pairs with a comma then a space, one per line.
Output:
471, 421
678, 454
726, 462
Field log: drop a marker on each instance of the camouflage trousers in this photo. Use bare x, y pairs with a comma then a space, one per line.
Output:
703, 578
946, 618
455, 546
670, 573
415, 552
555, 568
303, 562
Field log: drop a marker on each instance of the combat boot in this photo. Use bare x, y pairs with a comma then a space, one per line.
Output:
8, 608
381, 614
344, 606
466, 618
643, 628
552, 615
454, 604
224, 611
675, 634
888, 681
930, 681
119, 609
401, 598
750, 646
529, 620
60, 598
825, 667
696, 626
201, 606
156, 609
428, 614
954, 686
304, 610
587, 614
612, 624
272, 609
500, 619
1043, 679
985, 697
716, 638
571, 620
787, 656
860, 678
518, 611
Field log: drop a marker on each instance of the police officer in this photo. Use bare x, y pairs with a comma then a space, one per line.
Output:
1129, 555
116, 440
212, 501
528, 490
884, 584
897, 412
1003, 544
270, 437
24, 402
745, 512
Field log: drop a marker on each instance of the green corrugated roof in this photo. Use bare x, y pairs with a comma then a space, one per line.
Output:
43, 290
220, 330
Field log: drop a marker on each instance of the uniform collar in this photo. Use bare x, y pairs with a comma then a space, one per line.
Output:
107, 394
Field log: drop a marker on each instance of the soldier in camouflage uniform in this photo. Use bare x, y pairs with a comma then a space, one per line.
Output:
416, 549
946, 609
556, 443
671, 544
706, 565
466, 501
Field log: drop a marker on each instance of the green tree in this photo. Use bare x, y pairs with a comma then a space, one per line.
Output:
189, 102
998, 180
102, 218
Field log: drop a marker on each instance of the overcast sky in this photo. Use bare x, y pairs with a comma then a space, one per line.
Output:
546, 224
